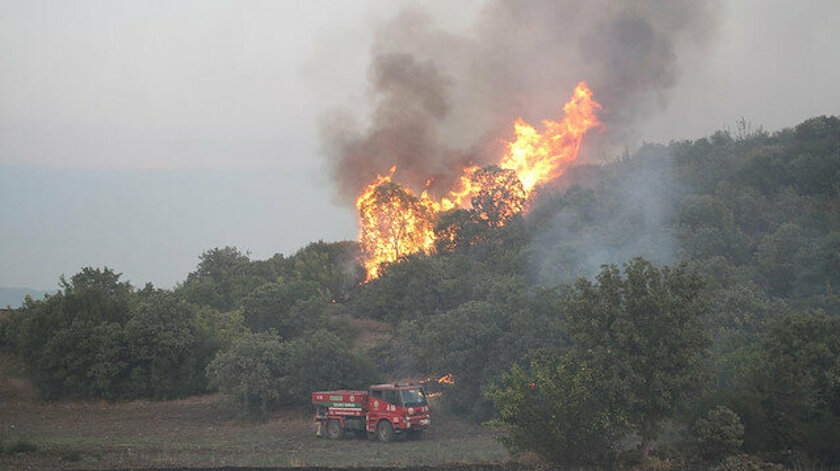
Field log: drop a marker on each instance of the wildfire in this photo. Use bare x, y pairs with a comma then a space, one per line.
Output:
446, 379
538, 158
395, 222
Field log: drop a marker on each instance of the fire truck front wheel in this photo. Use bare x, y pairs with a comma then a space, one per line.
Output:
384, 431
334, 430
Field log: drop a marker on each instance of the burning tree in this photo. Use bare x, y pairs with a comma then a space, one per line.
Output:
394, 222
499, 196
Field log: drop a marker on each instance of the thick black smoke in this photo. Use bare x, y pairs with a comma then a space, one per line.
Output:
443, 100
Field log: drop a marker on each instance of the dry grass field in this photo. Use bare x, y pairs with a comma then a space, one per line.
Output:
202, 431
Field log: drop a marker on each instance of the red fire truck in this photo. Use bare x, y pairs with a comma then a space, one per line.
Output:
382, 411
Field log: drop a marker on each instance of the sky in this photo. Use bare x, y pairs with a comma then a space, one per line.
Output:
137, 135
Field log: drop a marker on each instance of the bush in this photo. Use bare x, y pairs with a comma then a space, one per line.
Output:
643, 330
797, 380
260, 373
558, 409
248, 372
99, 338
720, 433
319, 361
288, 307
166, 350
223, 277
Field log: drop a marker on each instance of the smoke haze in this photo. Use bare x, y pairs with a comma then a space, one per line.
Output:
573, 234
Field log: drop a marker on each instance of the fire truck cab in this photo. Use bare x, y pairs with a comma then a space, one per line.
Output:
383, 411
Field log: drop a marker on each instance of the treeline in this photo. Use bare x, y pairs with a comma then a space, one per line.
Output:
99, 337
263, 332
691, 287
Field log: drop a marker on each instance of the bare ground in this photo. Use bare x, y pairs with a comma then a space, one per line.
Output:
202, 432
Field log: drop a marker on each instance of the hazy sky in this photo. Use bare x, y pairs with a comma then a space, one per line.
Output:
138, 134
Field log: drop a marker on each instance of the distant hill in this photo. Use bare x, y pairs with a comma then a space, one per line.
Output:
14, 296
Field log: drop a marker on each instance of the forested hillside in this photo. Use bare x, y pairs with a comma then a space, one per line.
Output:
693, 286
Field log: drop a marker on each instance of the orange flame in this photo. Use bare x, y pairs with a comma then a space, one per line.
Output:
394, 222
446, 379
538, 158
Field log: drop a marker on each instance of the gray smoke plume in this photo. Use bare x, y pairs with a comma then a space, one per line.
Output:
443, 100
615, 212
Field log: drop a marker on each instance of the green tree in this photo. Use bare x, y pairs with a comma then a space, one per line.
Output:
260, 373
271, 306
817, 174
333, 266
468, 343
720, 433
99, 338
481, 338
798, 380
418, 286
73, 342
320, 360
249, 372
705, 211
777, 256
167, 350
222, 278
707, 229
558, 408
644, 329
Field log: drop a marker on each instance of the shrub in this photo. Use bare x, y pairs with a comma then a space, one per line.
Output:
259, 372
167, 350
559, 409
288, 307
320, 360
101, 338
248, 372
720, 433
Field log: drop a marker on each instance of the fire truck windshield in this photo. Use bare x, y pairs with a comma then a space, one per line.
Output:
413, 398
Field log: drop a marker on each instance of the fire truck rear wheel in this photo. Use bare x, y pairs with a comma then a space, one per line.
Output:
334, 430
384, 431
